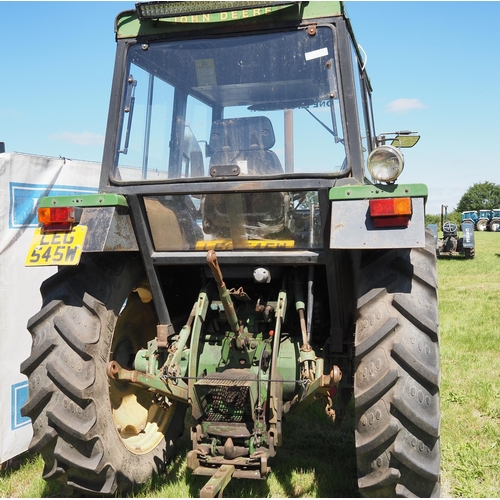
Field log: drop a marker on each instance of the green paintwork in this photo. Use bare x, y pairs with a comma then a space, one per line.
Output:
128, 24
221, 372
174, 389
174, 361
201, 311
84, 200
141, 362
342, 193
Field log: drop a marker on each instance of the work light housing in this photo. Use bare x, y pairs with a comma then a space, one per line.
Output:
385, 163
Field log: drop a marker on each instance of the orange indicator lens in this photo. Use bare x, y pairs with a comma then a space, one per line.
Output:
387, 207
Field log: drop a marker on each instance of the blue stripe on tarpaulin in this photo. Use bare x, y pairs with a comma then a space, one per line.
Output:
24, 201
19, 396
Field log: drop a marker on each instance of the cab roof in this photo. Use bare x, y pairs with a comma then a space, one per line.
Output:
156, 18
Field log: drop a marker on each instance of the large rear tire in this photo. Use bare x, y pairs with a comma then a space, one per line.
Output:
396, 382
482, 225
470, 253
495, 226
94, 434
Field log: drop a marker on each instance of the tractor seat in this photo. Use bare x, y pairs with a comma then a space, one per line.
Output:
245, 143
241, 146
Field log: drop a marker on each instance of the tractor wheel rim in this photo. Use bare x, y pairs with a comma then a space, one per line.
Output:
140, 427
141, 419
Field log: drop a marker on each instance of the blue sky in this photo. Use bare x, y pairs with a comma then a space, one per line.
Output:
434, 67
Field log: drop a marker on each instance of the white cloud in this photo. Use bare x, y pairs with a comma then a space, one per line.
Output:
82, 139
403, 105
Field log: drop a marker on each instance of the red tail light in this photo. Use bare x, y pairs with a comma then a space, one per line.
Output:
56, 218
390, 212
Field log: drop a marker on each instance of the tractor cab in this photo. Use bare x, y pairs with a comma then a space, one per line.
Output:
210, 108
470, 216
495, 220
483, 222
251, 113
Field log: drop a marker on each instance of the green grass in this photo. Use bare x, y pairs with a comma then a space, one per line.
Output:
318, 460
469, 293
23, 479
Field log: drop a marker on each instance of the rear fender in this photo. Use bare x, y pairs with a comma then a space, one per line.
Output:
468, 232
352, 226
109, 229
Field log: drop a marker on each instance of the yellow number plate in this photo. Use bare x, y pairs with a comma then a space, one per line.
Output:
56, 249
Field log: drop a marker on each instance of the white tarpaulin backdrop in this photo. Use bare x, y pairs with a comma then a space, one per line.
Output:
23, 180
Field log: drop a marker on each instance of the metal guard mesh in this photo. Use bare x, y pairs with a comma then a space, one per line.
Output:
227, 404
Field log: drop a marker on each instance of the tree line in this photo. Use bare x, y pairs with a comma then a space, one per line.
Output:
480, 196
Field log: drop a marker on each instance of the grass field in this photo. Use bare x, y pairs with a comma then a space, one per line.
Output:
469, 293
319, 460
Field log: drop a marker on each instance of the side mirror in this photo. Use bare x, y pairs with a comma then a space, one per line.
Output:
405, 141
402, 139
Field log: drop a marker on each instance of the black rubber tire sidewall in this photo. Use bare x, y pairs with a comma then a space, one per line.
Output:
69, 402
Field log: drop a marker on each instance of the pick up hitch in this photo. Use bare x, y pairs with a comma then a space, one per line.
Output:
217, 483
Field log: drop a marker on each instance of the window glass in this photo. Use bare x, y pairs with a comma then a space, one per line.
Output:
264, 104
227, 221
147, 115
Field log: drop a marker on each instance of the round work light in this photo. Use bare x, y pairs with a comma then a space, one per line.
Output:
385, 164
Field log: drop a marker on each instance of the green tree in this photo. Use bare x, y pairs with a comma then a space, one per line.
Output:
454, 216
432, 219
481, 196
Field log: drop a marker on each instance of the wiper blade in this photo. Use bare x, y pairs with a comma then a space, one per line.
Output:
333, 132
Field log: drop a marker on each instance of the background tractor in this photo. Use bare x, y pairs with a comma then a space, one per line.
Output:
495, 220
483, 222
451, 244
470, 216
238, 261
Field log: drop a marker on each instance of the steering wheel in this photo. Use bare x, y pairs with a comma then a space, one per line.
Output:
449, 227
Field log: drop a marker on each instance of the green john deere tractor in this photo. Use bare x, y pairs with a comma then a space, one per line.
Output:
238, 261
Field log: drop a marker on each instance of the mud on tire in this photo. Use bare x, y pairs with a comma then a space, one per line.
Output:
76, 412
396, 383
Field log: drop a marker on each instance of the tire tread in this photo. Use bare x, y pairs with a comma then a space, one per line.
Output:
397, 376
